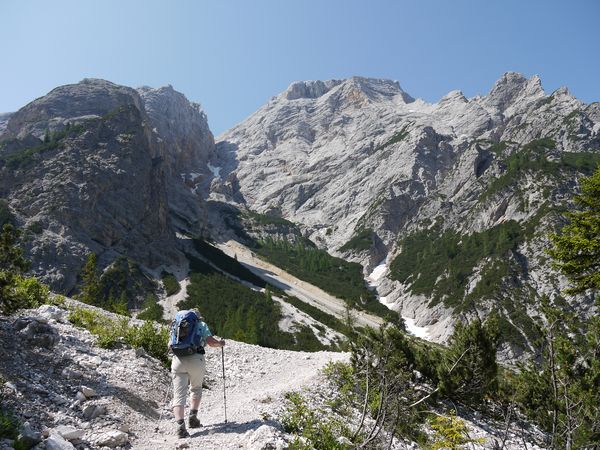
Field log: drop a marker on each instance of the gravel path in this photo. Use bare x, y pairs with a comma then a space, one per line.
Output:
256, 379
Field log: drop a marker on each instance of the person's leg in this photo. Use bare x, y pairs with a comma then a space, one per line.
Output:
180, 386
197, 373
178, 411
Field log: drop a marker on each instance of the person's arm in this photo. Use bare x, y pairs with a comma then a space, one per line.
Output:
215, 342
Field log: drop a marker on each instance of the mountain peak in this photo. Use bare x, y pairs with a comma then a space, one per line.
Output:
454, 96
379, 88
511, 86
309, 89
373, 88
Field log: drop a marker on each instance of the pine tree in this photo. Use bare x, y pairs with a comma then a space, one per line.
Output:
562, 392
469, 370
90, 289
11, 255
12, 266
577, 248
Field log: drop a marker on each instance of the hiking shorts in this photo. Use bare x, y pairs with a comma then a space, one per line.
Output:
187, 371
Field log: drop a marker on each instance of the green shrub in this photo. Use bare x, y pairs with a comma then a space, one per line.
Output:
451, 433
16, 290
397, 137
118, 306
469, 370
318, 314
532, 157
226, 263
305, 339
151, 309
265, 219
9, 425
113, 113
381, 379
30, 292
170, 283
112, 333
36, 227
497, 148
24, 158
108, 331
312, 429
152, 339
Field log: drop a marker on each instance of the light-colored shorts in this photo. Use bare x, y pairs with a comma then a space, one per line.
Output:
187, 371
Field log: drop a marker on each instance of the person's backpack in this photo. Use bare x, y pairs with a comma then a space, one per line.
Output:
184, 339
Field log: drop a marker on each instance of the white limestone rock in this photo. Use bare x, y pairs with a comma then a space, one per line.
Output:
56, 442
112, 439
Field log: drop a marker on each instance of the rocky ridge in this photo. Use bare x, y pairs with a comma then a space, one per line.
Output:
345, 157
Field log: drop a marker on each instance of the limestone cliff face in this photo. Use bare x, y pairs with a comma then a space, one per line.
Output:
346, 157
181, 131
85, 169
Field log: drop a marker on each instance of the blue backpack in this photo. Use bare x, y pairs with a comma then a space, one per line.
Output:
184, 338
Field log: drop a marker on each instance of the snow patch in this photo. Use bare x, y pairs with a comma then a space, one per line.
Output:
377, 273
374, 279
216, 171
415, 330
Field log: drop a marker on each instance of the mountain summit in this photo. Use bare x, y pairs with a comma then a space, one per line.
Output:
365, 170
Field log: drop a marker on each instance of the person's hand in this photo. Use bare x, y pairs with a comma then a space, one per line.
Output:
222, 342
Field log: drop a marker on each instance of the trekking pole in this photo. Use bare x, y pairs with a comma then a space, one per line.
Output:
161, 408
224, 394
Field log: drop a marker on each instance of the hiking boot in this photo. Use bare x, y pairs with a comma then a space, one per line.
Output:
194, 422
181, 431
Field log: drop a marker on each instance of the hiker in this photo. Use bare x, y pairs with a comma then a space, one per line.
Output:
189, 336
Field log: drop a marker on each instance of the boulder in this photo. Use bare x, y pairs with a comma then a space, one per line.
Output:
88, 392
56, 442
52, 312
36, 332
265, 437
69, 433
112, 439
28, 436
93, 411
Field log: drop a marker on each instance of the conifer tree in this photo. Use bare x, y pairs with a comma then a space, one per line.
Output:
576, 249
469, 370
562, 392
12, 266
90, 289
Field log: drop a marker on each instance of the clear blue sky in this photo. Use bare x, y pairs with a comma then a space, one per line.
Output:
233, 55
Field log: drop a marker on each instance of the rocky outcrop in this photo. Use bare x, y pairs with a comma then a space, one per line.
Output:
181, 130
346, 157
96, 167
